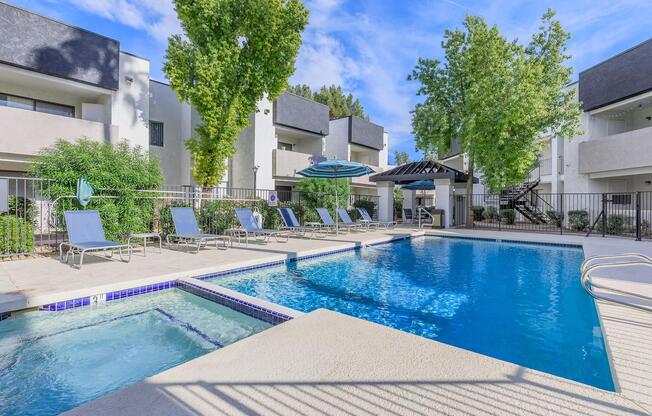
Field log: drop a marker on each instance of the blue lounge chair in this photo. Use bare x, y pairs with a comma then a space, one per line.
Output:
348, 222
187, 231
249, 226
366, 218
86, 234
292, 224
326, 219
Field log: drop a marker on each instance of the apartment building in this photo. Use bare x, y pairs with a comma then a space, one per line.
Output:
62, 82
614, 153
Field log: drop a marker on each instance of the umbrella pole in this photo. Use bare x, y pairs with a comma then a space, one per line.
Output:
337, 203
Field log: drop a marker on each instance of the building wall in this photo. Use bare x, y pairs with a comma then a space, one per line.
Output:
337, 142
130, 103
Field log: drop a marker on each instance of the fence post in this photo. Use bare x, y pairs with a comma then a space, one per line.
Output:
604, 215
638, 216
561, 214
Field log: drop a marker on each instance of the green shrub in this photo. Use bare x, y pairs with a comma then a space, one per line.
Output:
556, 217
22, 207
119, 170
319, 192
16, 235
578, 220
490, 213
507, 216
478, 210
616, 224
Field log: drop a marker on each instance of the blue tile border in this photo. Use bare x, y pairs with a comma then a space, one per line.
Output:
239, 305
506, 240
109, 296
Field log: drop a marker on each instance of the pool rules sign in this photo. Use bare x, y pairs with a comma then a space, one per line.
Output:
272, 199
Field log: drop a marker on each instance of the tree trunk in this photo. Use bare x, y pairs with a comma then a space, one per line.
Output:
469, 195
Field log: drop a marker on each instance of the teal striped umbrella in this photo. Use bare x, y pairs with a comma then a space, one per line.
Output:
335, 169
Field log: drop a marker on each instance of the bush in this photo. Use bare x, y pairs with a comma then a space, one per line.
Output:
490, 213
616, 224
16, 235
507, 216
319, 192
120, 169
578, 220
556, 217
478, 210
21, 207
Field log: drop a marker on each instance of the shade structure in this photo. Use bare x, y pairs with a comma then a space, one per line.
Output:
425, 185
334, 169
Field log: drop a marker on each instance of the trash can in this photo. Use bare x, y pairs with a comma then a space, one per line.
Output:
437, 218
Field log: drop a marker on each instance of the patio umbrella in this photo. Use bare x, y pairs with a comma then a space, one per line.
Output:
84, 192
335, 169
424, 185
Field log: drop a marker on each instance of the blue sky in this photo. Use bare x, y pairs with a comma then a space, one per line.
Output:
369, 46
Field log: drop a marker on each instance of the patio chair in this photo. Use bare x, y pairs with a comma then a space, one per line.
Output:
187, 231
366, 218
292, 224
327, 222
249, 226
86, 234
348, 222
407, 215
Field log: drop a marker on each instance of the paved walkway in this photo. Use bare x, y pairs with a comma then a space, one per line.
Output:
324, 363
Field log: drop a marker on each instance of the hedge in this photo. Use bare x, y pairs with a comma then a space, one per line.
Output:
16, 235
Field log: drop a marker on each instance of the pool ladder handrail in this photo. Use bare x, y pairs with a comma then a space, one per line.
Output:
419, 211
588, 285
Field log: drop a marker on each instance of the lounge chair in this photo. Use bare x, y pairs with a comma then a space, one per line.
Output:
86, 234
293, 225
249, 226
407, 215
366, 218
187, 231
327, 222
348, 222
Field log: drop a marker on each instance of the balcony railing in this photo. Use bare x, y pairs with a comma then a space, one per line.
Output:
31, 131
286, 163
628, 150
545, 167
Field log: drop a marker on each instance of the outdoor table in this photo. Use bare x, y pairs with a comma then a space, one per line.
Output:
144, 237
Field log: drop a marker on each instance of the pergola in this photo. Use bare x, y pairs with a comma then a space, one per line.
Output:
418, 171
444, 179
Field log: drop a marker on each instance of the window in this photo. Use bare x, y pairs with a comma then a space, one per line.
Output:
284, 146
24, 103
155, 133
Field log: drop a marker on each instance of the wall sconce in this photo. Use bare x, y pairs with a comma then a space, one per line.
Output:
266, 112
129, 80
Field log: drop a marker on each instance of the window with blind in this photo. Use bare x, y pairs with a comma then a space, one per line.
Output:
25, 103
156, 133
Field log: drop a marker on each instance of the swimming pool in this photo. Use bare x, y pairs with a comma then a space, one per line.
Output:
521, 303
51, 362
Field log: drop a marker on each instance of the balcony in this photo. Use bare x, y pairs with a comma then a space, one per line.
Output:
364, 180
286, 164
610, 155
27, 132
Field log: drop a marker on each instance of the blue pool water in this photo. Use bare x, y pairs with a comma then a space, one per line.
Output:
521, 303
51, 362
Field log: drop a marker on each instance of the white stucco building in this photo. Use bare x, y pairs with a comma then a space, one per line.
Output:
62, 82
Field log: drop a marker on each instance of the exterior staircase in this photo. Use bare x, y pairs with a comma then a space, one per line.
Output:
519, 198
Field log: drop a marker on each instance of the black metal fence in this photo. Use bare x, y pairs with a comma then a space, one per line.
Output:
31, 219
625, 214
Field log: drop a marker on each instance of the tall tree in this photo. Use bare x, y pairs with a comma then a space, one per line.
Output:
401, 158
339, 103
497, 98
234, 53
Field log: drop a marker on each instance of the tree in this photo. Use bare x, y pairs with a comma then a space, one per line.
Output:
234, 53
339, 103
497, 98
320, 192
120, 169
401, 158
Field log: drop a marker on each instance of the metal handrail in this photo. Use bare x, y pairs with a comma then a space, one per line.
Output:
639, 256
421, 209
588, 285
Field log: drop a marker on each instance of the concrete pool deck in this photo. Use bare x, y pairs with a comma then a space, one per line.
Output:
29, 283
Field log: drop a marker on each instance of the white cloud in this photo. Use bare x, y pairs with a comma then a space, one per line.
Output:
156, 17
